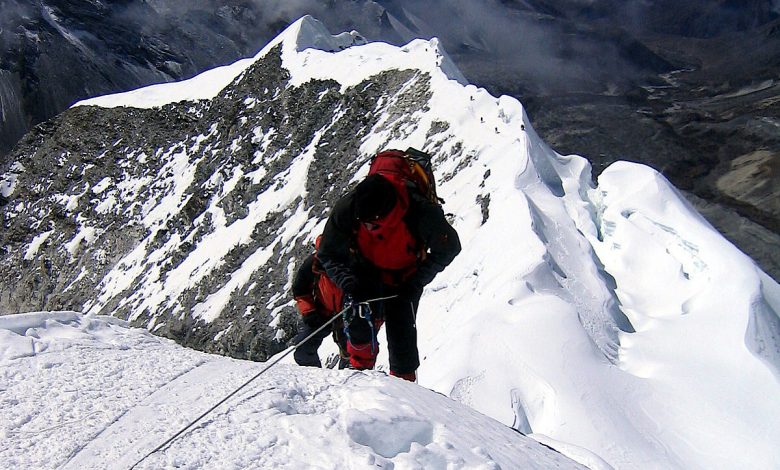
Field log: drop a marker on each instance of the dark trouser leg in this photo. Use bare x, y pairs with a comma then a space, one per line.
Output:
399, 315
341, 340
306, 354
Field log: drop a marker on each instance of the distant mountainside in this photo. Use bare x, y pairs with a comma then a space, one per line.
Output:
689, 88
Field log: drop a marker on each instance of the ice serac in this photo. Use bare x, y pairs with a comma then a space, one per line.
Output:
308, 33
705, 317
763, 333
576, 313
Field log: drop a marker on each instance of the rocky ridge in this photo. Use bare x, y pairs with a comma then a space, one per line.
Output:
123, 196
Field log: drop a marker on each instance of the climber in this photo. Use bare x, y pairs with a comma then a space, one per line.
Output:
388, 237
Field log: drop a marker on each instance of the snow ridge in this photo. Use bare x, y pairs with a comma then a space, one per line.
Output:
575, 312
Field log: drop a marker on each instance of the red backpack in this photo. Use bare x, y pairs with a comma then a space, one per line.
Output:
389, 245
410, 166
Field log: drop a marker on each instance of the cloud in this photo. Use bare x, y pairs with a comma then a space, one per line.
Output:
13, 13
531, 49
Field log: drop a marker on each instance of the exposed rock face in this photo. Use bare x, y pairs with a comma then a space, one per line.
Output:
752, 180
175, 174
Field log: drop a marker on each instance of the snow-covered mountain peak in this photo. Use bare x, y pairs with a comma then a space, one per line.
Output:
309, 51
308, 33
590, 317
307, 47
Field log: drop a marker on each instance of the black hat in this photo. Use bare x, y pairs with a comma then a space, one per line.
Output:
374, 198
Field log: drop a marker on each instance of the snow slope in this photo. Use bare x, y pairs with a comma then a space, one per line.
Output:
87, 392
610, 321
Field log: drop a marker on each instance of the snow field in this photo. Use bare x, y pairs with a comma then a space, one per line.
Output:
94, 394
64, 378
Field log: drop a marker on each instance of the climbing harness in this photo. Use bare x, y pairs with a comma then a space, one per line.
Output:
364, 312
361, 305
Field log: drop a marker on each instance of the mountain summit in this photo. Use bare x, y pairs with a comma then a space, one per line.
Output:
606, 317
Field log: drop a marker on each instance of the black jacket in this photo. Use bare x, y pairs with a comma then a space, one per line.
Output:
304, 280
340, 257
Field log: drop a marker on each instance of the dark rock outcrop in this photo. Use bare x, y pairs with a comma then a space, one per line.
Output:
111, 202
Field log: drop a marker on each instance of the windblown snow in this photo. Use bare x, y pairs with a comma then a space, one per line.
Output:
87, 392
608, 321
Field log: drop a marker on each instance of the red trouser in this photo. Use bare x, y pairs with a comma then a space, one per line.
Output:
362, 343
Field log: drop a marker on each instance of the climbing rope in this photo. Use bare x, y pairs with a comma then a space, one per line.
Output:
266, 368
60, 425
